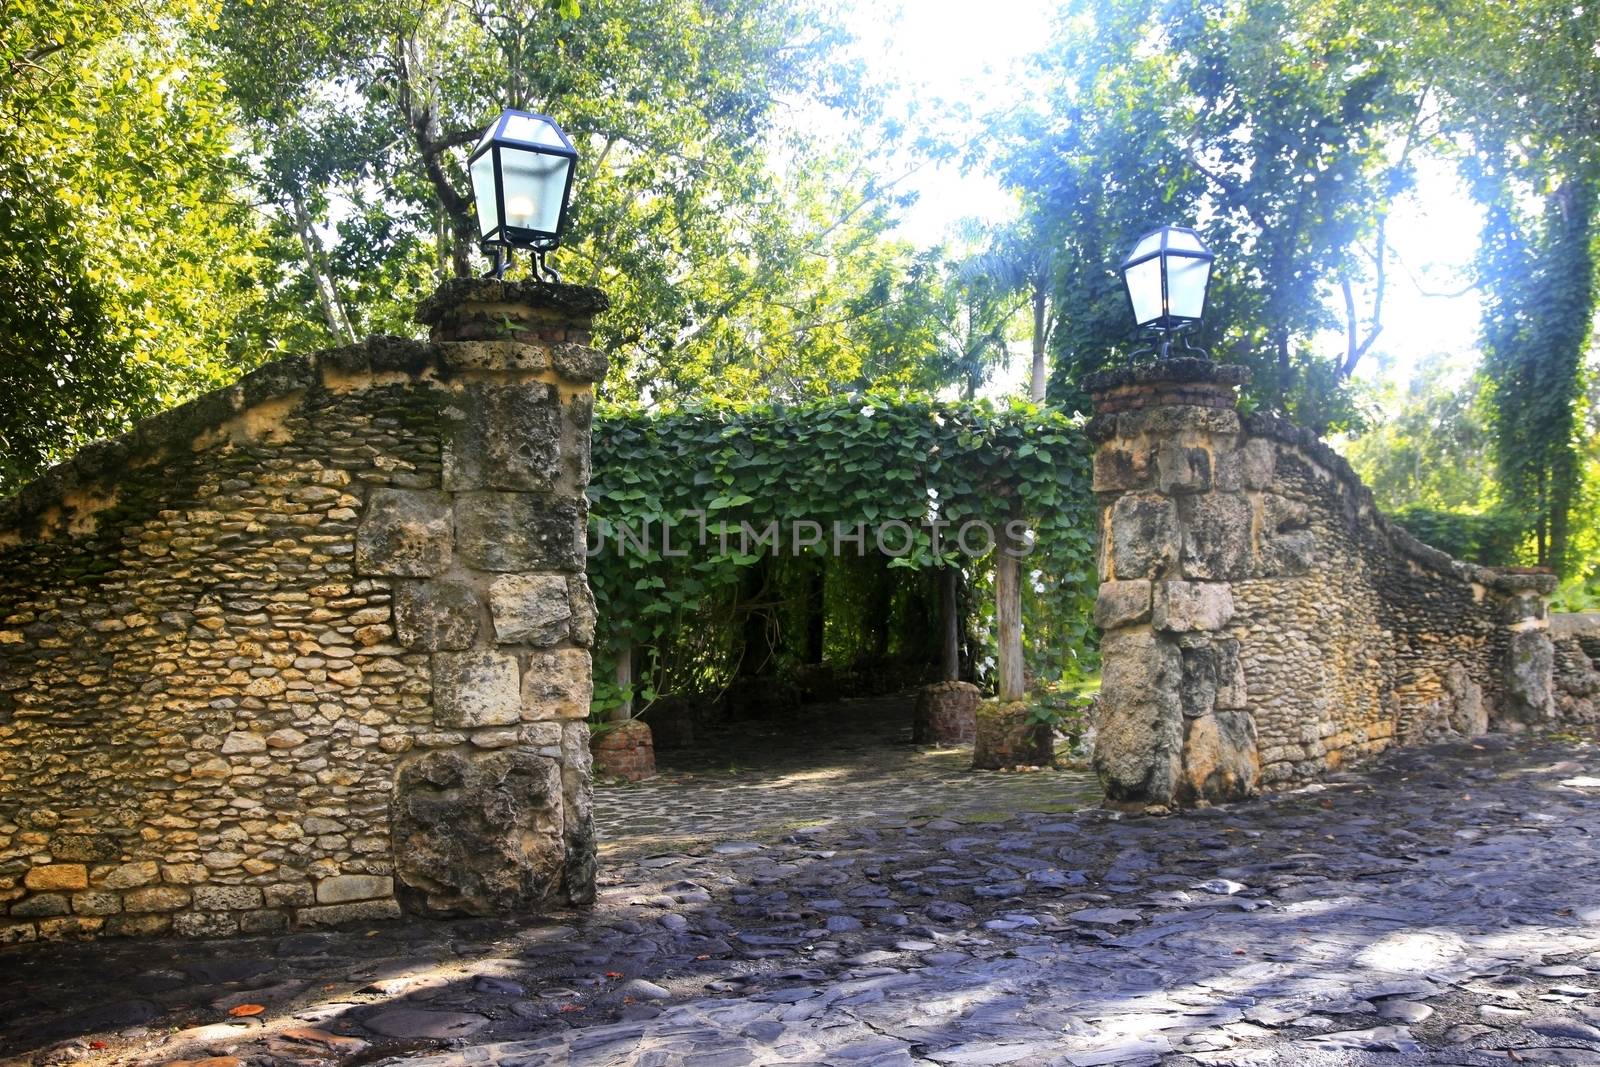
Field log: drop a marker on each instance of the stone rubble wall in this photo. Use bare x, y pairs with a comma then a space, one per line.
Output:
1263, 622
1576, 638
312, 648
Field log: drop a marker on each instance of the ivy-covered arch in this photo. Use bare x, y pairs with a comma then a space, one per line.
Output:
684, 505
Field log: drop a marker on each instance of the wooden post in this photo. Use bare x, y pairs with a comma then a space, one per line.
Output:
624, 711
1008, 617
949, 624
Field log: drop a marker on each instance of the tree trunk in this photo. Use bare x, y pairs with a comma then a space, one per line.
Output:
1008, 618
624, 711
817, 611
1036, 383
949, 624
332, 311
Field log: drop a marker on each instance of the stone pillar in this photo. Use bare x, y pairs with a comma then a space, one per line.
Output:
1175, 530
491, 813
1529, 680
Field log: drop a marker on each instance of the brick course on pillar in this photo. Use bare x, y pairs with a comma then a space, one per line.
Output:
314, 648
1263, 623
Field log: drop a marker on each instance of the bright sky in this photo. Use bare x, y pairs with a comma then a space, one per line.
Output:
953, 49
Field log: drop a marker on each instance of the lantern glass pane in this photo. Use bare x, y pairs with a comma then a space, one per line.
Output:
1151, 243
530, 130
1186, 286
482, 175
1144, 289
534, 186
488, 135
1183, 241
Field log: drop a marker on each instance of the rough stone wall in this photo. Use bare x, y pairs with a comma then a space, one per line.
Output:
312, 648
1577, 666
1264, 623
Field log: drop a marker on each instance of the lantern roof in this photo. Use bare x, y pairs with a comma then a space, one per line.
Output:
528, 130
1173, 240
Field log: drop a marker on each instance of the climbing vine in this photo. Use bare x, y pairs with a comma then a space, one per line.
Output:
691, 510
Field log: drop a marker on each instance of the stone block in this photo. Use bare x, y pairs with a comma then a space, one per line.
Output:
1199, 687
534, 609
288, 737
69, 848
57, 876
1184, 607
503, 437
496, 355
343, 888
478, 835
227, 897
1220, 761
1258, 460
437, 615
128, 875
1529, 677
74, 928
584, 613
40, 905
1182, 468
1231, 693
263, 922
1122, 603
96, 902
17, 933
580, 363
242, 742
405, 532
155, 898
146, 925
1287, 545
1216, 535
1144, 536
184, 873
205, 924
477, 688
519, 531
287, 894
1140, 729
1118, 469
338, 914
558, 684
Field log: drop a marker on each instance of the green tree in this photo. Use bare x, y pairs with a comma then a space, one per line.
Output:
1283, 128
127, 253
1523, 84
737, 258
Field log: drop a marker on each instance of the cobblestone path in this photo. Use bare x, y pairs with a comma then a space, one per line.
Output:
1439, 908
832, 762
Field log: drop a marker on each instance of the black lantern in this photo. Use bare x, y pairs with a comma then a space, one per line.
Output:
521, 180
1166, 276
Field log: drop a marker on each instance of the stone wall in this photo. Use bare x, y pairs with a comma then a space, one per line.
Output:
313, 648
1577, 666
1263, 622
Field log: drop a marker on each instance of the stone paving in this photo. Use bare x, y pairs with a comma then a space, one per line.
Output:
831, 762
1438, 908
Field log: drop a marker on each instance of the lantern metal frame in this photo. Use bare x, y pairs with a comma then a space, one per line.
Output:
502, 239
1167, 327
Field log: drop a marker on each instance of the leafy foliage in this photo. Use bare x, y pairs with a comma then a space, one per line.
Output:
127, 252
873, 460
1283, 128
